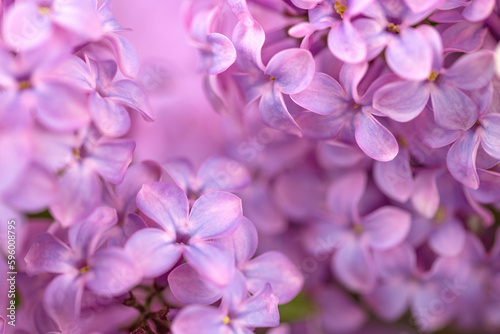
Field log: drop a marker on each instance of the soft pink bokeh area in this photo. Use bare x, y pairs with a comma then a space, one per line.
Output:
185, 124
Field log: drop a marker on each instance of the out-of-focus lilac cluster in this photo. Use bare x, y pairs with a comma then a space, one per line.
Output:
352, 185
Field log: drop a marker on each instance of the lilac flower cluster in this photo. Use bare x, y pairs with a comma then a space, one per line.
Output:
349, 181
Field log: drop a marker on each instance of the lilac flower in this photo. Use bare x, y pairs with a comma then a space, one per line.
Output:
88, 159
462, 155
239, 316
214, 174
185, 231
107, 272
343, 106
109, 101
28, 90
30, 23
217, 51
287, 72
389, 25
473, 11
272, 268
354, 237
345, 41
447, 89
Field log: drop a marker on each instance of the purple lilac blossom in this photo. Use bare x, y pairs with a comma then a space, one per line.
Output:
240, 166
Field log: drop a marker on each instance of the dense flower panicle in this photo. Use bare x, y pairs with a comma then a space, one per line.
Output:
348, 183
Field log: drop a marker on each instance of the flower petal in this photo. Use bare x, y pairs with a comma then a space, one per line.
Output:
276, 269
131, 95
86, 236
260, 310
211, 261
165, 203
395, 178
190, 288
353, 265
448, 239
24, 27
110, 158
425, 197
197, 319
461, 159
220, 173
111, 119
344, 195
401, 100
453, 109
153, 251
472, 71
374, 139
248, 41
214, 215
223, 53
62, 300
324, 95
243, 242
387, 227
79, 194
48, 255
125, 54
346, 43
389, 301
66, 112
409, 55
112, 272
275, 113
293, 70
490, 137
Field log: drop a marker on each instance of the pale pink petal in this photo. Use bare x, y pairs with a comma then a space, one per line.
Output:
346, 43
472, 71
274, 112
125, 54
387, 227
223, 53
111, 119
87, 235
211, 261
395, 178
190, 288
478, 10
153, 250
409, 55
112, 272
62, 300
292, 70
276, 269
24, 27
214, 215
165, 203
425, 197
461, 159
49, 255
323, 96
490, 137
401, 100
453, 109
220, 173
374, 139
344, 195
131, 95
79, 194
353, 265
448, 239
111, 158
